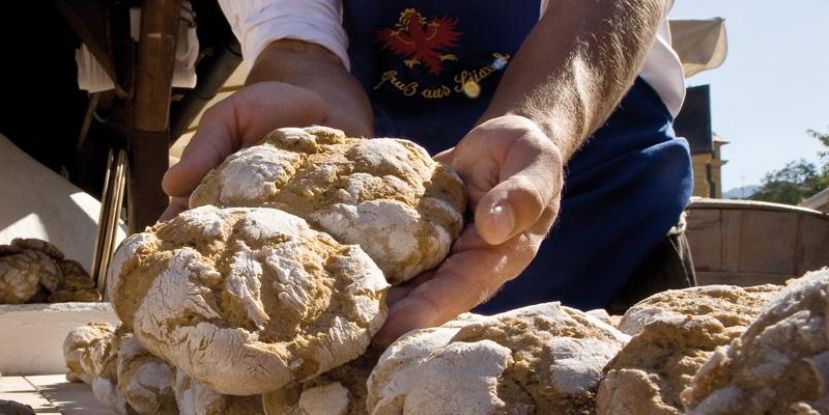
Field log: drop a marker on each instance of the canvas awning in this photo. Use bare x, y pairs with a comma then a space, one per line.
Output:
701, 44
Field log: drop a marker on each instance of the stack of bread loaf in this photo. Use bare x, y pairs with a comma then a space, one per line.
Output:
263, 299
35, 271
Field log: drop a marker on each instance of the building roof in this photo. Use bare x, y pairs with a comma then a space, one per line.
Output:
818, 201
694, 120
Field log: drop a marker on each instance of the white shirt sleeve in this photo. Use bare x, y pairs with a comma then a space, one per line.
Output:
257, 23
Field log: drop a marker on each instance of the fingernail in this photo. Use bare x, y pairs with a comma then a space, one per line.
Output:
503, 221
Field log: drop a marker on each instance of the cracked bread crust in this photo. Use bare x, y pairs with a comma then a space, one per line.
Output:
386, 195
675, 333
732, 306
392, 376
85, 349
257, 293
23, 275
780, 365
91, 354
145, 380
651, 371
540, 359
124, 377
193, 398
340, 391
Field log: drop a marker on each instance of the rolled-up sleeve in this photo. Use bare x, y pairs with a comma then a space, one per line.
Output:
257, 23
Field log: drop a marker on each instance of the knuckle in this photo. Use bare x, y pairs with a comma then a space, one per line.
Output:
527, 189
480, 285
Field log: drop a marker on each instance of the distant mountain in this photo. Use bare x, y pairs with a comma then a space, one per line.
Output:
741, 192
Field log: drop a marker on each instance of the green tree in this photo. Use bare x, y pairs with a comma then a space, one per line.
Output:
797, 180
824, 155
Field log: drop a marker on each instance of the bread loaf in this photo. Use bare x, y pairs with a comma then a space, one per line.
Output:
193, 398
780, 365
544, 359
247, 300
386, 195
340, 391
675, 332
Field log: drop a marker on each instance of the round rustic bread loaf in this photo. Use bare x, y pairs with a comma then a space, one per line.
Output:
34, 270
124, 377
195, 399
21, 274
247, 300
675, 333
731, 305
85, 349
386, 195
544, 359
780, 365
392, 376
145, 380
340, 391
91, 353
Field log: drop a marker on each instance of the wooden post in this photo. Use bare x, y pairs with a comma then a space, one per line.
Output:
149, 135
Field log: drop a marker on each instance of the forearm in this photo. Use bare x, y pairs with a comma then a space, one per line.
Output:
316, 69
576, 65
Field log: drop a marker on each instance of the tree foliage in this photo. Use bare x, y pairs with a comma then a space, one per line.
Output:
824, 155
797, 180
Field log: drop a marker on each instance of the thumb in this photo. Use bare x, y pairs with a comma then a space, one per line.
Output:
530, 179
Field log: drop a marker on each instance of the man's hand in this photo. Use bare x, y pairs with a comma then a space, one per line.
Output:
565, 80
513, 174
292, 84
240, 121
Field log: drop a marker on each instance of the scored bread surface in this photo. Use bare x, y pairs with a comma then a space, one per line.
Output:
386, 195
247, 300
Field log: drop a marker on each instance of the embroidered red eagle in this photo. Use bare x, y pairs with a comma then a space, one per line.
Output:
422, 41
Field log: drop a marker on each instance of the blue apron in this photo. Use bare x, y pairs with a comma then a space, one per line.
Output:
431, 68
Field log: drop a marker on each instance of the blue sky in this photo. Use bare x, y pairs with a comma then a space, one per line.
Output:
773, 86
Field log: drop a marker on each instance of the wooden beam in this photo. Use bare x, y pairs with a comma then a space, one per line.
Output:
156, 58
149, 136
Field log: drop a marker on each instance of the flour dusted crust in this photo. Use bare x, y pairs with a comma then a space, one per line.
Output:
340, 391
123, 376
651, 371
91, 354
734, 307
33, 270
780, 365
386, 195
247, 300
85, 351
193, 398
391, 378
544, 359
145, 381
675, 331
25, 272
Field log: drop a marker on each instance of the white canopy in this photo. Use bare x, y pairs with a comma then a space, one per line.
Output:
701, 44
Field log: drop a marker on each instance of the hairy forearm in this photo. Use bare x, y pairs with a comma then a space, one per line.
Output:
315, 68
576, 65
